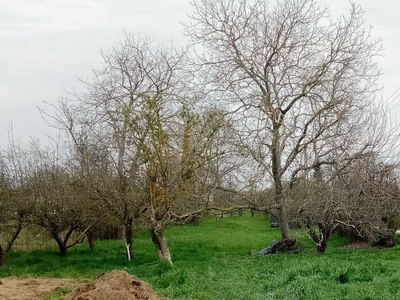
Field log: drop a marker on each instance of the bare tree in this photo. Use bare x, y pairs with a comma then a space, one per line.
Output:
17, 201
175, 148
362, 196
291, 76
59, 208
11, 220
118, 115
99, 120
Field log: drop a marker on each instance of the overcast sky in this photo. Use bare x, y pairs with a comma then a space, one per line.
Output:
46, 44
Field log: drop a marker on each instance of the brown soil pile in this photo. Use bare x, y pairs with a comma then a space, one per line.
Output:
117, 285
13, 288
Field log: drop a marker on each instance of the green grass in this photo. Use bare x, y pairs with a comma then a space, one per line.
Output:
57, 294
217, 261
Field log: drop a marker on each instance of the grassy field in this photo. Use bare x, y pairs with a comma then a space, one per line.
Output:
217, 261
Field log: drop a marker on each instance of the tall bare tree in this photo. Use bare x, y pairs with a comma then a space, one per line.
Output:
292, 77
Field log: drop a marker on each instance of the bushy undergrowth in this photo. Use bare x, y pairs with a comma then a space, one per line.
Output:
218, 261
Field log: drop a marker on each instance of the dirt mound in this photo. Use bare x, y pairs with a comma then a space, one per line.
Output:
13, 288
117, 285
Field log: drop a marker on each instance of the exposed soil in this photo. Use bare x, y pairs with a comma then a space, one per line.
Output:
117, 285
358, 245
13, 288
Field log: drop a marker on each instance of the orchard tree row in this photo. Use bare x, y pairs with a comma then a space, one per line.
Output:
273, 109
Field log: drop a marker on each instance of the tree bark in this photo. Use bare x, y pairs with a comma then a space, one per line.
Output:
283, 220
2, 257
321, 241
196, 220
61, 245
91, 241
4, 251
160, 241
321, 248
387, 240
63, 251
325, 232
129, 237
277, 176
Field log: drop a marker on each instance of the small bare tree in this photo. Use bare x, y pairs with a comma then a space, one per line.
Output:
11, 219
174, 146
17, 201
59, 208
360, 194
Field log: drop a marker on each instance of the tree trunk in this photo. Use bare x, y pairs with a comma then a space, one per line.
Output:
277, 175
252, 213
322, 247
324, 236
63, 251
61, 245
2, 257
387, 240
321, 241
160, 241
4, 251
129, 237
325, 232
196, 220
282, 216
91, 241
